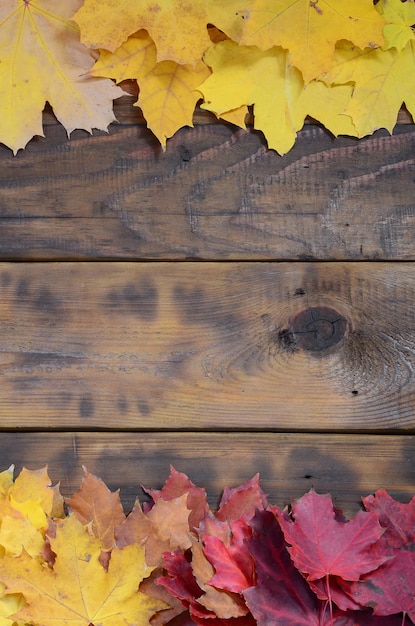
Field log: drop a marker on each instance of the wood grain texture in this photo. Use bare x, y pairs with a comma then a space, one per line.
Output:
349, 466
216, 193
207, 346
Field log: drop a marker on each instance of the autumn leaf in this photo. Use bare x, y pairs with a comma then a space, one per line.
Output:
134, 58
78, 591
178, 28
135, 528
234, 567
399, 17
321, 545
6, 481
167, 89
382, 79
222, 603
390, 588
281, 596
9, 605
170, 528
241, 503
26, 510
43, 60
36, 486
99, 508
396, 518
242, 76
181, 583
178, 484
308, 30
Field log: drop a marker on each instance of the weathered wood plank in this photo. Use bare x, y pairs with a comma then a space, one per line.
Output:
282, 346
349, 466
216, 193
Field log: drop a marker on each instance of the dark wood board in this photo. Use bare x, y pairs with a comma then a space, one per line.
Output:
215, 193
348, 466
243, 346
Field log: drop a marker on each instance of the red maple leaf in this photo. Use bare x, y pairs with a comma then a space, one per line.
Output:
281, 596
397, 518
234, 567
241, 502
321, 545
391, 588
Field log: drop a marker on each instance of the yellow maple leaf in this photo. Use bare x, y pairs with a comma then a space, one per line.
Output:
382, 80
178, 27
25, 512
35, 486
400, 16
309, 29
9, 604
328, 105
236, 116
6, 480
17, 534
42, 59
244, 75
78, 591
167, 89
134, 58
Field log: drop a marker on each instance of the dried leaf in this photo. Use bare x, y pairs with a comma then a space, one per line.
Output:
98, 507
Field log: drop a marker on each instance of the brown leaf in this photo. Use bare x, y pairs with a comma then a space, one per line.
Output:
134, 529
95, 505
170, 528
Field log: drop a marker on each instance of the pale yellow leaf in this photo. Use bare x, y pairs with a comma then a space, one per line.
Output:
400, 17
382, 80
328, 105
44, 61
309, 29
247, 76
6, 480
178, 27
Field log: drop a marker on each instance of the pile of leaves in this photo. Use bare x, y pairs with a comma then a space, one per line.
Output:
349, 65
83, 561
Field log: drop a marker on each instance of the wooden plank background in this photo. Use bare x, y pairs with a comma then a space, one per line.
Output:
215, 306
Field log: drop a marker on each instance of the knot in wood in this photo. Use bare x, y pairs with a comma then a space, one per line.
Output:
316, 328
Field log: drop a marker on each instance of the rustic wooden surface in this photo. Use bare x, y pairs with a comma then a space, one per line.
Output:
207, 345
215, 306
